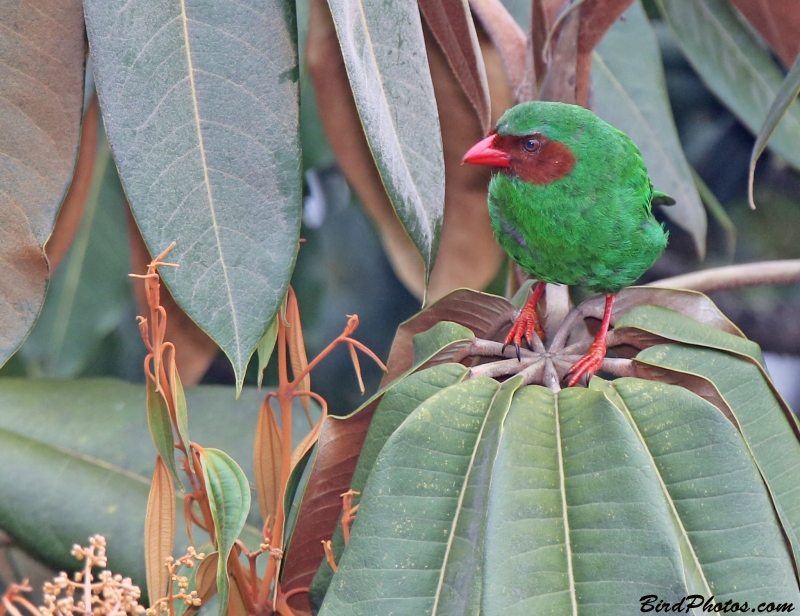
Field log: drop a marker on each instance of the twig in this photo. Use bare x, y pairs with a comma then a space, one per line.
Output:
734, 276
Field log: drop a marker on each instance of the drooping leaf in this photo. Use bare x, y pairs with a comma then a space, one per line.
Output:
40, 118
159, 531
778, 22
397, 404
451, 24
469, 255
229, 499
267, 462
297, 346
181, 408
596, 18
780, 106
207, 148
90, 291
767, 425
161, 429
734, 65
405, 139
507, 36
630, 93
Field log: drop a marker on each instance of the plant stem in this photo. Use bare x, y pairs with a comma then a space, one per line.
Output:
735, 276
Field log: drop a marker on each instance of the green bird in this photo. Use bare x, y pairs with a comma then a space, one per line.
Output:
573, 205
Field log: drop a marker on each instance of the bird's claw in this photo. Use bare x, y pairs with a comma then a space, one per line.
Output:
589, 363
525, 327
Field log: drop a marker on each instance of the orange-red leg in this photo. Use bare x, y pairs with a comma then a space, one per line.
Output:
527, 322
593, 360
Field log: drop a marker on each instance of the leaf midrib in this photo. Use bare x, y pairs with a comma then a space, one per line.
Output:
211, 205
562, 488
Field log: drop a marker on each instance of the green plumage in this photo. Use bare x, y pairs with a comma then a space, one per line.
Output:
593, 227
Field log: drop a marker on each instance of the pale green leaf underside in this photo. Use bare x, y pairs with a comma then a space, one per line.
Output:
200, 102
630, 93
384, 53
780, 106
735, 66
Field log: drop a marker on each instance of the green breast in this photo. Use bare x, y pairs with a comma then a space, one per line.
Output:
593, 228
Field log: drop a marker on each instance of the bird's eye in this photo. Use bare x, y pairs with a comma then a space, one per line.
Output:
531, 145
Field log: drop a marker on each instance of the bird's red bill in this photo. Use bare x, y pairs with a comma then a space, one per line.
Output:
483, 153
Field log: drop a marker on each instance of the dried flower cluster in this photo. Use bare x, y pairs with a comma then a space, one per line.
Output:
180, 584
104, 595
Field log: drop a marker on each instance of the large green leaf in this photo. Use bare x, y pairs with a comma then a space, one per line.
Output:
630, 92
782, 103
90, 290
734, 64
702, 459
42, 54
384, 53
768, 428
473, 483
200, 102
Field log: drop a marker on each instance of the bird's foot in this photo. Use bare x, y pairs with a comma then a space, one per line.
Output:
526, 325
589, 363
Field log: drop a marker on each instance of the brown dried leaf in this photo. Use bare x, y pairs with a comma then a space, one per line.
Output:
307, 443
71, 212
535, 66
297, 349
42, 96
451, 24
690, 303
339, 445
486, 315
195, 350
23, 280
468, 255
778, 22
559, 83
206, 579
597, 16
507, 37
268, 461
237, 606
159, 531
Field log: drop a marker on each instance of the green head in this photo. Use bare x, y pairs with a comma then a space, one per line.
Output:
540, 142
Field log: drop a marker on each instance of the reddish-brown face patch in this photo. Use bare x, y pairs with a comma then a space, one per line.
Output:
550, 162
